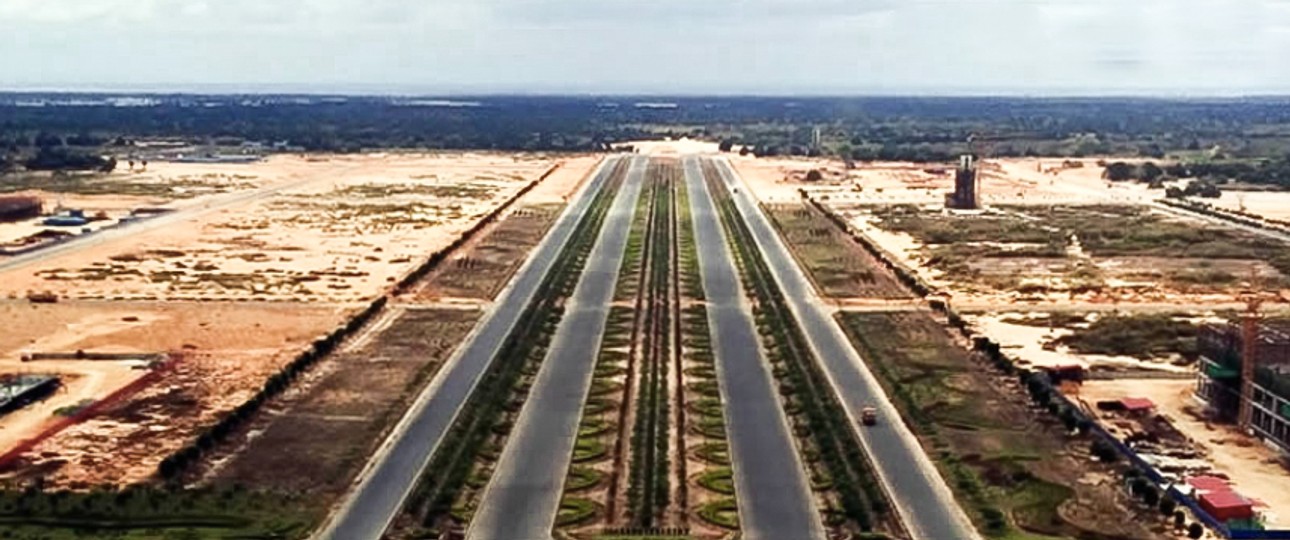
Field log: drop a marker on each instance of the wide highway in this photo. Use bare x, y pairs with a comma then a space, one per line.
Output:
393, 472
523, 497
775, 500
919, 494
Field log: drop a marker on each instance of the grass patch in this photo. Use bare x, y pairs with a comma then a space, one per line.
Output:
719, 479
717, 453
1139, 335
575, 510
721, 512
581, 478
588, 449
142, 512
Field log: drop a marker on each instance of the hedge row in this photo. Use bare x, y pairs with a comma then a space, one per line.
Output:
1248, 219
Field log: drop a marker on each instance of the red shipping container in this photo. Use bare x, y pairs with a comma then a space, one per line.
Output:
1227, 505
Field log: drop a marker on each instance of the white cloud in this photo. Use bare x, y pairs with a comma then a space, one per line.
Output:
658, 45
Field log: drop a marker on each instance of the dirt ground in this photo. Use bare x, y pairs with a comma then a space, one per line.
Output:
338, 229
1269, 204
484, 265
228, 350
672, 147
1255, 470
1003, 181
1026, 343
324, 430
302, 238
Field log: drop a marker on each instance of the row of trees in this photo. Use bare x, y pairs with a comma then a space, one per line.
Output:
62, 159
176, 464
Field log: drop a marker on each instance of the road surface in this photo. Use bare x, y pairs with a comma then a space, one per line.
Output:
919, 494
393, 471
775, 500
193, 211
523, 497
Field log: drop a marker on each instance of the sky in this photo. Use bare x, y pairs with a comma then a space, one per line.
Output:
836, 47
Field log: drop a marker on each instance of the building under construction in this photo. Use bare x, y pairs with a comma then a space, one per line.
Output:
1224, 377
964, 196
17, 208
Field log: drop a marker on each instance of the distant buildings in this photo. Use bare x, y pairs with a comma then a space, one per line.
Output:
1218, 383
964, 196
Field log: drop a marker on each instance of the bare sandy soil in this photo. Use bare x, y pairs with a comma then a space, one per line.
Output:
1003, 181
1269, 204
1254, 469
562, 183
227, 352
316, 235
672, 147
346, 229
1026, 343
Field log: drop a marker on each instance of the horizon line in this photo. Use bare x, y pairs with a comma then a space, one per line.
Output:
419, 91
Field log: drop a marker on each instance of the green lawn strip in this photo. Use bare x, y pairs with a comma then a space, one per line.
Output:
144, 512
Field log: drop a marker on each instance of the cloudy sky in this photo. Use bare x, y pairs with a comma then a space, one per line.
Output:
1169, 47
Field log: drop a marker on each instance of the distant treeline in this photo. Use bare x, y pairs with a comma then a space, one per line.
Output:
917, 129
1270, 172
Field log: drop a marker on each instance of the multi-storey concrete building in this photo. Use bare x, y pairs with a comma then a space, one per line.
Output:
1218, 383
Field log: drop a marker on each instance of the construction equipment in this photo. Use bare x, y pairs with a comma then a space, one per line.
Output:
1254, 296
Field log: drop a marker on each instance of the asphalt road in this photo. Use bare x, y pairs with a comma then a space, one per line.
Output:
393, 471
212, 204
920, 495
523, 497
775, 500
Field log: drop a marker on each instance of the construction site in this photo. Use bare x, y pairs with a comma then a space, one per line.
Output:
1137, 311
123, 346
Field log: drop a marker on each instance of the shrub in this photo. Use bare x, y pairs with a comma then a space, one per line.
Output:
1151, 496
1167, 506
1195, 531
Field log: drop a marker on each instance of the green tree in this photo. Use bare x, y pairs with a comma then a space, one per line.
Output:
1118, 172
1150, 172
1167, 506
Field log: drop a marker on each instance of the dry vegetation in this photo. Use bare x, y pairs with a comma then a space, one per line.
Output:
1084, 251
481, 271
301, 233
839, 266
324, 431
1012, 466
